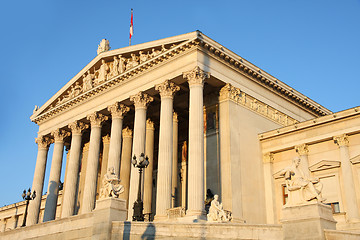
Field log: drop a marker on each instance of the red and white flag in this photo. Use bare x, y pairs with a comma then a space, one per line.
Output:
131, 27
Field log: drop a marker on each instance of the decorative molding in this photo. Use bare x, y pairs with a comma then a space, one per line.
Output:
118, 110
355, 160
341, 140
127, 132
43, 142
323, 165
106, 139
302, 149
59, 135
141, 100
196, 76
175, 117
229, 92
268, 157
167, 89
77, 127
96, 119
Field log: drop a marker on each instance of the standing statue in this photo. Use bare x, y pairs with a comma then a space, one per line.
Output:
122, 62
217, 212
87, 81
111, 185
302, 189
103, 46
114, 68
103, 71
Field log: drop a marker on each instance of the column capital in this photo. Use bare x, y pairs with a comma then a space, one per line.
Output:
118, 110
167, 89
141, 100
150, 124
106, 139
196, 76
127, 132
60, 134
96, 119
302, 149
268, 157
43, 142
77, 127
341, 140
175, 117
86, 146
228, 92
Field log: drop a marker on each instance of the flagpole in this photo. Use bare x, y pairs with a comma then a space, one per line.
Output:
131, 27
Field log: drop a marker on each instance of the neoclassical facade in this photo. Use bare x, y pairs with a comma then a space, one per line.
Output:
207, 119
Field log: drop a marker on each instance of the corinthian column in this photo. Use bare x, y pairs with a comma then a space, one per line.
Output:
117, 113
96, 121
38, 182
268, 160
54, 179
174, 182
141, 101
352, 210
126, 162
303, 152
196, 79
148, 179
167, 90
72, 172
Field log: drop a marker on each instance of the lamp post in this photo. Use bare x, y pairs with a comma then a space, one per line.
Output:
27, 196
138, 204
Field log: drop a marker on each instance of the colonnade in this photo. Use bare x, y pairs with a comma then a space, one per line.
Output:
124, 144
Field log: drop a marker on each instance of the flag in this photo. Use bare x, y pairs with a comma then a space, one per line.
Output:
131, 25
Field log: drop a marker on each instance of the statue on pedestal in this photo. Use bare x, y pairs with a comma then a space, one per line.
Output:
111, 185
103, 46
301, 189
217, 212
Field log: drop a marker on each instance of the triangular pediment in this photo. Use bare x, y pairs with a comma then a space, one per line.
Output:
355, 160
324, 164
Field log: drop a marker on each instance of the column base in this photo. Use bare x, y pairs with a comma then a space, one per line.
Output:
194, 216
307, 221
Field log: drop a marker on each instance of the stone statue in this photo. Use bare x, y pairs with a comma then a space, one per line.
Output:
111, 185
122, 62
114, 71
132, 62
35, 109
75, 90
103, 46
301, 188
155, 52
216, 211
102, 72
87, 81
143, 57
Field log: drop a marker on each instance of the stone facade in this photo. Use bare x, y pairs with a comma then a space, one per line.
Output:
210, 123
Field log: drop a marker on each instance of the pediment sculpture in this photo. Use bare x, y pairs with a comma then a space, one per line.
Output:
217, 212
301, 189
111, 185
103, 46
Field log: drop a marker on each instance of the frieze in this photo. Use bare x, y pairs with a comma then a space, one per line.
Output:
229, 92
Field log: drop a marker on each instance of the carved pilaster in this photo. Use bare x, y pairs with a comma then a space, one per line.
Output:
106, 139
43, 142
59, 135
196, 76
228, 92
302, 149
96, 119
118, 110
141, 100
149, 124
167, 89
127, 132
175, 117
341, 140
268, 157
77, 127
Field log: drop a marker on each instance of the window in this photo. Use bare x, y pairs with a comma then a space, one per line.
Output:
334, 206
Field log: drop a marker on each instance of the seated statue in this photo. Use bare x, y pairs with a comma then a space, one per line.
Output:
302, 189
217, 212
111, 185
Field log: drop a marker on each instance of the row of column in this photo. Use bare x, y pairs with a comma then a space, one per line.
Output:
352, 209
166, 157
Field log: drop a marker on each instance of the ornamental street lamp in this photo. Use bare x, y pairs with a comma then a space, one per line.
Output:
27, 196
138, 204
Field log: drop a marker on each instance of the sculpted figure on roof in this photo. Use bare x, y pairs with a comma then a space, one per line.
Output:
102, 73
132, 62
114, 71
103, 46
143, 57
87, 81
122, 62
155, 52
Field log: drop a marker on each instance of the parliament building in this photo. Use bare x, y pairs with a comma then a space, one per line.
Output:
209, 122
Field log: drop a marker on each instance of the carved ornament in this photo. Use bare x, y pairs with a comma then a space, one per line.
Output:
175, 117
150, 124
118, 110
341, 140
77, 127
196, 76
268, 157
141, 100
43, 142
96, 119
167, 89
228, 92
302, 149
60, 135
106, 139
127, 132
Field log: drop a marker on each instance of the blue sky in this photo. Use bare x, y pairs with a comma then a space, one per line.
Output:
313, 46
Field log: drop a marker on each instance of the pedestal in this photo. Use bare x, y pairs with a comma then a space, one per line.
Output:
307, 221
106, 211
